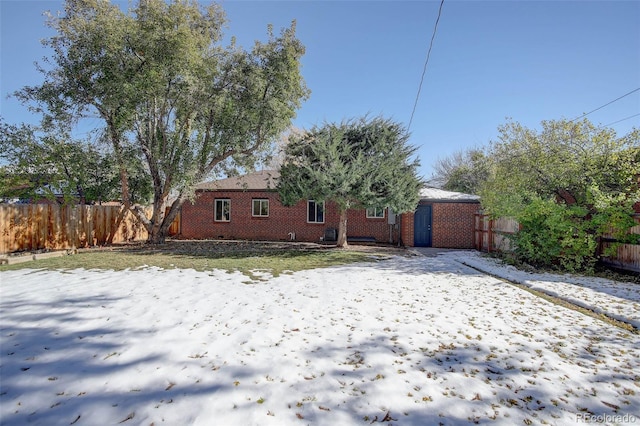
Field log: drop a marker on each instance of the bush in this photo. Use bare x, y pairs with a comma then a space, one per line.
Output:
555, 235
568, 183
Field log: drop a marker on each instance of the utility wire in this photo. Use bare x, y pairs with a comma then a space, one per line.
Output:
433, 36
622, 119
608, 103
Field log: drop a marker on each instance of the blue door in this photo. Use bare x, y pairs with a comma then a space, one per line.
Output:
422, 227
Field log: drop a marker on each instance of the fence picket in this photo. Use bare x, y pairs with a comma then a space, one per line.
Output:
54, 227
492, 235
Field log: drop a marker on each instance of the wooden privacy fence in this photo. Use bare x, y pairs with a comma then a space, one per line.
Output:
27, 227
493, 235
627, 255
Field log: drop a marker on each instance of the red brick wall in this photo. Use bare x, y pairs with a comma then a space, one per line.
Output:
406, 226
198, 221
453, 225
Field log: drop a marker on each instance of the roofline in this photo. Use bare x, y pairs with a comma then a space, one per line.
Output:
446, 200
273, 190
237, 190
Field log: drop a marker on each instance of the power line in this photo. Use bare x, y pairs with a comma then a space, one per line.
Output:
433, 36
622, 119
608, 103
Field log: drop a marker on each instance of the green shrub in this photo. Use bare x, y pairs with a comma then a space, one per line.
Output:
555, 235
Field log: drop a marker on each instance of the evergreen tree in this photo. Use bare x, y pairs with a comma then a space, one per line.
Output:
361, 163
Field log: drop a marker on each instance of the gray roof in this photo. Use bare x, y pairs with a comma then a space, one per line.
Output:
265, 179
268, 179
436, 194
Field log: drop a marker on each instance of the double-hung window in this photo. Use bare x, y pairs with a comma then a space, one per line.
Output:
315, 211
222, 210
260, 207
375, 213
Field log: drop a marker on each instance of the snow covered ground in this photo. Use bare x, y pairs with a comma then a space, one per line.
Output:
405, 341
617, 300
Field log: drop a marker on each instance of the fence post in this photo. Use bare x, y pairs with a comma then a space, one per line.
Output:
490, 237
476, 234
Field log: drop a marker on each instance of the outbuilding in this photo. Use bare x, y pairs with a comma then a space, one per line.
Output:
443, 219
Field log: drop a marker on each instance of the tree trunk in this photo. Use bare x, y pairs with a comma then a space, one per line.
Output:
157, 218
117, 149
342, 230
157, 237
159, 233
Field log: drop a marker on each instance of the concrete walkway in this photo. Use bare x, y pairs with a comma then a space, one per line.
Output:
617, 300
433, 251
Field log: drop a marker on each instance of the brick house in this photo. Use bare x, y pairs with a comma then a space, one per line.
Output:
248, 207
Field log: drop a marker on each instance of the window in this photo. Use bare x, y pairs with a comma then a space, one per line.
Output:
222, 210
375, 213
315, 212
260, 208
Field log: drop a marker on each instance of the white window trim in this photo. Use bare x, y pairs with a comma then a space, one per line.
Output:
375, 209
215, 209
324, 211
260, 200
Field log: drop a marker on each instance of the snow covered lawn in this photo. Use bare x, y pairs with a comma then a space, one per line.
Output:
406, 341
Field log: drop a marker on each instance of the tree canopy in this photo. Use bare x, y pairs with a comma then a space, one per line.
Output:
464, 171
574, 162
168, 93
567, 184
360, 163
55, 166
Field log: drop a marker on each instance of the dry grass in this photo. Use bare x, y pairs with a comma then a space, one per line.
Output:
274, 258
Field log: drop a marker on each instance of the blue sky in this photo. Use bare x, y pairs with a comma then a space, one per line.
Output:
527, 60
